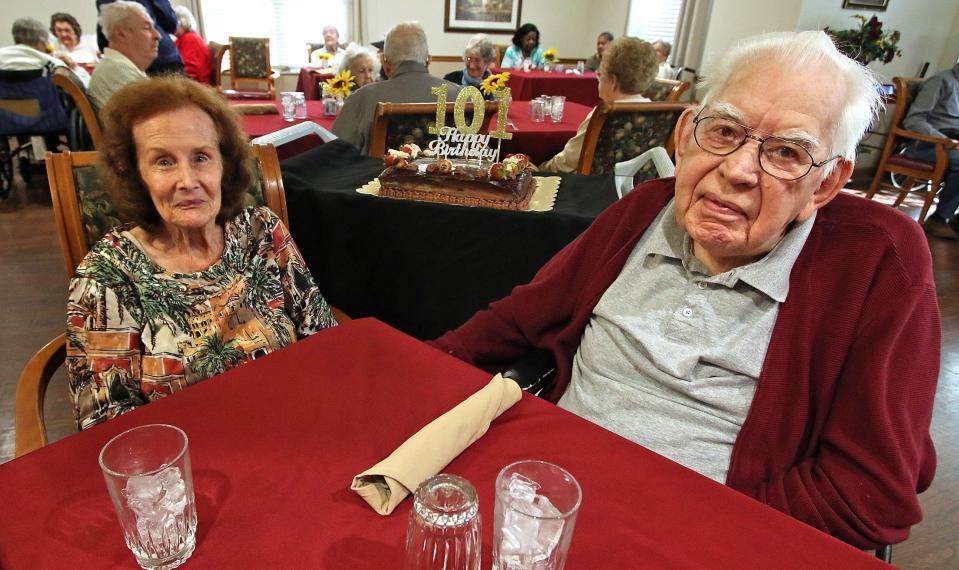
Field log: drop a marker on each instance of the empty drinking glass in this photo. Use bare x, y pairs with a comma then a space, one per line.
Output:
536, 507
537, 110
444, 527
581, 66
557, 104
300, 99
147, 471
288, 104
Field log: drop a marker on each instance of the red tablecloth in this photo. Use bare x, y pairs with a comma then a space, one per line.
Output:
309, 80
275, 443
541, 141
259, 125
526, 85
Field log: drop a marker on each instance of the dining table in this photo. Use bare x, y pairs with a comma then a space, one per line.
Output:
422, 267
540, 140
309, 79
274, 444
257, 125
577, 87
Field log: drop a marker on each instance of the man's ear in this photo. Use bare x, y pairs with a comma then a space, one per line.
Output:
683, 133
834, 183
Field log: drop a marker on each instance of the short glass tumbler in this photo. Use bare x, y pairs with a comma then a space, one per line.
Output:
557, 105
535, 513
537, 110
288, 105
147, 471
444, 527
300, 99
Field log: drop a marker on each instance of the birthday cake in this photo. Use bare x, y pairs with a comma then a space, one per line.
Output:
414, 175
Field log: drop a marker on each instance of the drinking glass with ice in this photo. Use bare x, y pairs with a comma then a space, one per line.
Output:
147, 471
535, 513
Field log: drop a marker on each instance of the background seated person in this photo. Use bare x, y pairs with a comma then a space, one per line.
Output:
406, 56
628, 67
525, 51
197, 284
935, 112
592, 64
363, 63
331, 47
197, 60
30, 51
479, 56
744, 318
167, 59
663, 49
133, 46
70, 42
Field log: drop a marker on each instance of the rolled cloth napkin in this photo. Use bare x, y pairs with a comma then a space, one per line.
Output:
256, 109
431, 449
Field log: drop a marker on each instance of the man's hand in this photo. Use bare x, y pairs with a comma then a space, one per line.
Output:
68, 60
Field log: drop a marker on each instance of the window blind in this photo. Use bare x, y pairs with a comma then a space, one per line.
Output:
653, 20
289, 24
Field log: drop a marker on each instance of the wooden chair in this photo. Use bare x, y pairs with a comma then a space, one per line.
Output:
217, 51
666, 90
90, 122
250, 63
396, 124
30, 428
84, 213
911, 169
620, 131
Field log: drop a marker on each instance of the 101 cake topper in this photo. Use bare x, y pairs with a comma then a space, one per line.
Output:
464, 140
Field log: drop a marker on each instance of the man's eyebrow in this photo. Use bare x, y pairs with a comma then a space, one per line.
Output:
797, 136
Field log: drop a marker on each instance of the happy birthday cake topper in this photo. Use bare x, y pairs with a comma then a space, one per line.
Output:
464, 140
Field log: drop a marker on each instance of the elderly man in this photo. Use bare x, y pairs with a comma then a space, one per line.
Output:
165, 22
663, 49
331, 46
133, 46
405, 60
746, 319
30, 52
935, 112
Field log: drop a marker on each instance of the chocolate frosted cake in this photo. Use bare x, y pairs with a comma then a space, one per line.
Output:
506, 185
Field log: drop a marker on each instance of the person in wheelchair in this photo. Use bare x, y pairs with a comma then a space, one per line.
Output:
745, 318
30, 52
935, 112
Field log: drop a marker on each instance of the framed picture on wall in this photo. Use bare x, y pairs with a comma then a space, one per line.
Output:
877, 5
492, 16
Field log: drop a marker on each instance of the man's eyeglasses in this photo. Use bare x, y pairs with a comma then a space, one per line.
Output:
780, 158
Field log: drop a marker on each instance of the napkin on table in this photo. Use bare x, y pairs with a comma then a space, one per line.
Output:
256, 109
429, 450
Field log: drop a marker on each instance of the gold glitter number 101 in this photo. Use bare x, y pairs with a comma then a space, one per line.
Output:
472, 95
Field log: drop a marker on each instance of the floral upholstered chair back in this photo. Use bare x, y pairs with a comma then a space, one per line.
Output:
249, 58
414, 128
99, 215
628, 134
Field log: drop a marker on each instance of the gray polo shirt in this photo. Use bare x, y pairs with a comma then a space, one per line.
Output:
671, 356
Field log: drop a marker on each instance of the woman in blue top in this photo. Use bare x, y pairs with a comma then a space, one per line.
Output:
525, 49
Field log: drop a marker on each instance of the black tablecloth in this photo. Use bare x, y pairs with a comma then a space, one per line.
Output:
423, 268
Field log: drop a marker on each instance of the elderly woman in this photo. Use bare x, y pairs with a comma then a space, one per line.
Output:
479, 56
197, 283
629, 66
525, 51
362, 62
197, 61
67, 30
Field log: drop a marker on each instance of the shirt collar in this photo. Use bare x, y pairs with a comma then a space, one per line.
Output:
770, 274
409, 66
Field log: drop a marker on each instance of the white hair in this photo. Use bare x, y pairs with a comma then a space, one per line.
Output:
406, 42
116, 13
186, 19
354, 51
792, 52
481, 45
331, 29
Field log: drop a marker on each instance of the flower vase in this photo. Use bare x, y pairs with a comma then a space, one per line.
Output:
339, 104
330, 107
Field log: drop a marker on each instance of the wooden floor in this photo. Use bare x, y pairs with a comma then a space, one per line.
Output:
33, 294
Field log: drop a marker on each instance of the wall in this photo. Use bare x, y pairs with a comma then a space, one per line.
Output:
732, 20
925, 25
950, 51
85, 11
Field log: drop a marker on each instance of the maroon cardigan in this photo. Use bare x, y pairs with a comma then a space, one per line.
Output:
838, 432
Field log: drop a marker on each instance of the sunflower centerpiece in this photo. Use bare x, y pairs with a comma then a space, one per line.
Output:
550, 58
335, 90
494, 83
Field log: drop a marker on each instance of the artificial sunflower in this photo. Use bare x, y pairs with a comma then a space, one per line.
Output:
494, 82
340, 85
324, 56
550, 55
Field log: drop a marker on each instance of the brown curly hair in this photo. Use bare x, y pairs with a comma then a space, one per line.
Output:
143, 100
632, 62
69, 19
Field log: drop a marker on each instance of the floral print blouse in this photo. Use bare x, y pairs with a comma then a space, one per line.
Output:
136, 333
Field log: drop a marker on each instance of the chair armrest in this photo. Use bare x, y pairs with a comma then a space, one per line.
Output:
534, 372
945, 142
